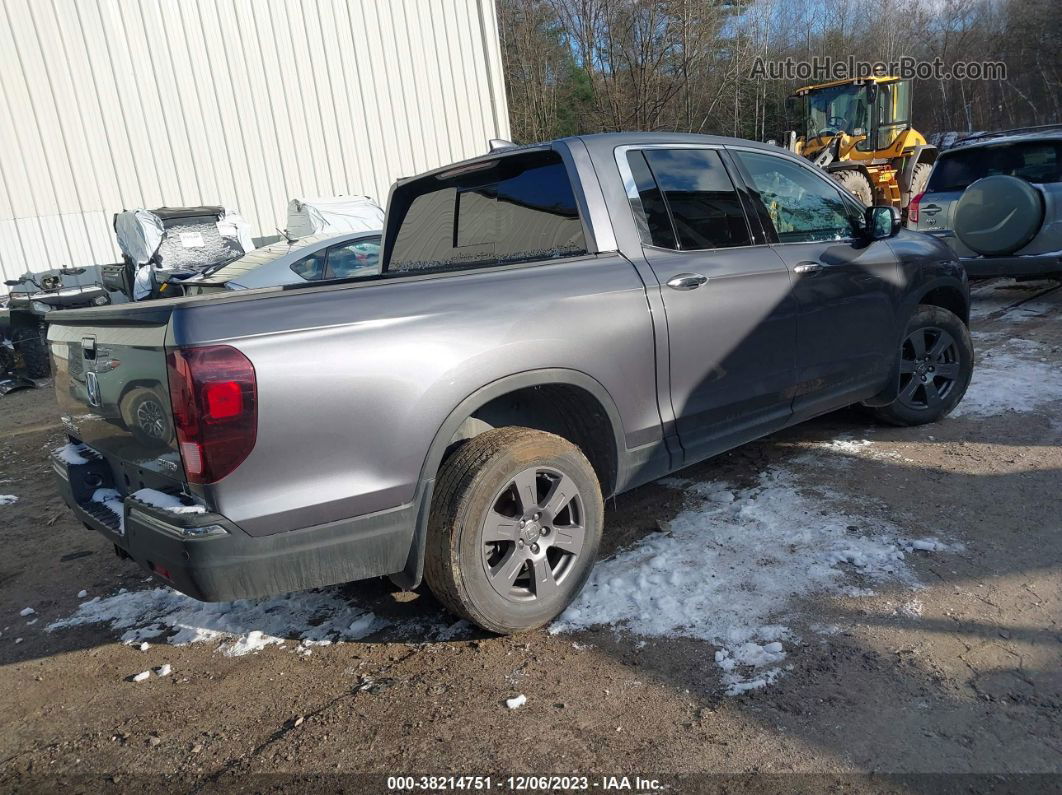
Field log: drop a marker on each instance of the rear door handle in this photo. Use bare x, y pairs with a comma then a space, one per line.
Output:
686, 281
807, 268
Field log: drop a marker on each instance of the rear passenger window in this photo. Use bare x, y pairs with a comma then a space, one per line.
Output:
359, 258
692, 186
514, 209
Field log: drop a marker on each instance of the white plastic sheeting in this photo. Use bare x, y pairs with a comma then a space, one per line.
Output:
143, 236
139, 234
336, 214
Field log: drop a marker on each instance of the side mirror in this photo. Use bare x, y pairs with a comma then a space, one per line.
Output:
882, 222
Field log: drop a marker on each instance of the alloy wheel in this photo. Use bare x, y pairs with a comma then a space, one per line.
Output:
929, 368
533, 534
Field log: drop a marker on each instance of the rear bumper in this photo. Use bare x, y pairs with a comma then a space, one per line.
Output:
1029, 265
227, 563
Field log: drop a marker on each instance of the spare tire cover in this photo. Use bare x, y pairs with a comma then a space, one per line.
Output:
998, 215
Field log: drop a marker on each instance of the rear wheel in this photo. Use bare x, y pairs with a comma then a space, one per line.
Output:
857, 183
936, 364
514, 530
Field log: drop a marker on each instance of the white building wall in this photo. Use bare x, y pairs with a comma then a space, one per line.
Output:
116, 104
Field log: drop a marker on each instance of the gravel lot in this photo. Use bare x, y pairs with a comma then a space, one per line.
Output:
838, 598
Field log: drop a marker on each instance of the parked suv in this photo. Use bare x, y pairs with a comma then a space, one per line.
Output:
550, 325
996, 199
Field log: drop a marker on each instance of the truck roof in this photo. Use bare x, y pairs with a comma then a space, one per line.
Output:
595, 142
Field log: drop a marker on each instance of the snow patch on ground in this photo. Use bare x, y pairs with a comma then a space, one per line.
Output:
731, 568
1011, 375
8, 499
245, 626
858, 448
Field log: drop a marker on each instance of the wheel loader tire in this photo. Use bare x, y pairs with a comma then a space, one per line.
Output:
857, 183
920, 178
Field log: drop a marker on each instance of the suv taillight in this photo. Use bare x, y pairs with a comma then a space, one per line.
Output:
215, 409
912, 208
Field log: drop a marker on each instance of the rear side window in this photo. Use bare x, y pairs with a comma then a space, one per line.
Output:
687, 196
311, 268
1035, 161
802, 206
514, 209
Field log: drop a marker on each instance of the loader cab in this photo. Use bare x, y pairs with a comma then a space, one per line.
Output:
890, 114
873, 112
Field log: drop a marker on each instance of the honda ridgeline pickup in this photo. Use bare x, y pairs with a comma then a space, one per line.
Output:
551, 325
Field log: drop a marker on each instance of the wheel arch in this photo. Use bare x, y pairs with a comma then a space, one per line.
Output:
946, 295
943, 292
590, 405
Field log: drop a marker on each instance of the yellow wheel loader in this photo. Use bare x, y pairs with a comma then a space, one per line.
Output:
860, 131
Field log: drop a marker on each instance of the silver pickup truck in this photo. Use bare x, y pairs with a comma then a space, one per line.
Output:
553, 324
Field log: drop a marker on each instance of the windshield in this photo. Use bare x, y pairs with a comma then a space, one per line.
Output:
836, 109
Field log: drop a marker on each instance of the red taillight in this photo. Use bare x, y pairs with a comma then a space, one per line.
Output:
912, 208
215, 409
223, 399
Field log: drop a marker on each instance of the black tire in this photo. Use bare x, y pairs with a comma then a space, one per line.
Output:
468, 573
32, 344
146, 416
920, 178
857, 184
930, 388
7, 358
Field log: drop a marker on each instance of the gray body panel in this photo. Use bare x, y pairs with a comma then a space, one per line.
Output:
362, 385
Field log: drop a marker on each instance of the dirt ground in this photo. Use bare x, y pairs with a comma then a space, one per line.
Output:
960, 673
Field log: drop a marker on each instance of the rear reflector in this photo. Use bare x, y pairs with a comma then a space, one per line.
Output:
162, 571
215, 409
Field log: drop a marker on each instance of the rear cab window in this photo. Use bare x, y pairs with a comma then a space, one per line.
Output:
1034, 161
518, 208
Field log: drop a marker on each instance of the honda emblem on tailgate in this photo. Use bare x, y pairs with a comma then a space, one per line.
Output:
92, 386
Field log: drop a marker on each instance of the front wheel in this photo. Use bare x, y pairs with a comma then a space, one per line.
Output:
514, 529
936, 364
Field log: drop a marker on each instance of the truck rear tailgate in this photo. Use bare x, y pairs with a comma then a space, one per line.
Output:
112, 388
